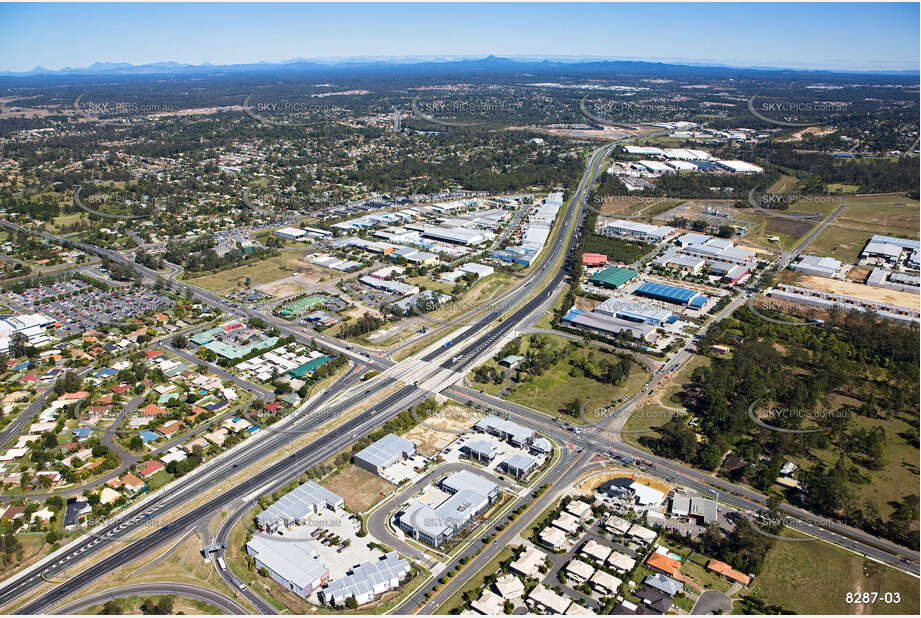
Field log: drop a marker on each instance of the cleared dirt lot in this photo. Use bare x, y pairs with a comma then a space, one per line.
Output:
359, 488
858, 290
454, 419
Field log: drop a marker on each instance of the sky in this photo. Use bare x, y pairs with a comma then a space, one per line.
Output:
846, 36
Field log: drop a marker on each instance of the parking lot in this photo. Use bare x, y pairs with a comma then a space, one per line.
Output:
79, 306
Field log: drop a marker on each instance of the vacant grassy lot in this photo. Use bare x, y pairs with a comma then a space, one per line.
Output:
814, 577
895, 217
263, 271
550, 392
761, 227
838, 242
359, 488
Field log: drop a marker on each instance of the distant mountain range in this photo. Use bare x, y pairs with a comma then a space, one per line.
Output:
490, 64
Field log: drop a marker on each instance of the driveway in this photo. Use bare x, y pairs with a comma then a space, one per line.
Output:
710, 601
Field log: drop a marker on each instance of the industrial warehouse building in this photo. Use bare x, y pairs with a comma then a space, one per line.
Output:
506, 430
614, 277
634, 230
471, 494
290, 233
890, 248
384, 453
672, 294
480, 270
716, 249
519, 466
684, 263
455, 235
635, 312
480, 450
294, 565
367, 580
818, 266
594, 259
830, 300
31, 326
297, 505
608, 325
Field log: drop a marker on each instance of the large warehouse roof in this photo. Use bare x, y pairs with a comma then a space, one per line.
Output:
899, 242
670, 293
297, 504
296, 562
368, 578
614, 277
465, 479
386, 451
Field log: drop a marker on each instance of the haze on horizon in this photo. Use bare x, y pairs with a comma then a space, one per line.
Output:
862, 37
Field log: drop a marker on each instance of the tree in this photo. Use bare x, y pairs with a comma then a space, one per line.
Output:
112, 607
351, 603
181, 341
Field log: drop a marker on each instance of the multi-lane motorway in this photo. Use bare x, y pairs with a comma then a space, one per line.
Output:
400, 387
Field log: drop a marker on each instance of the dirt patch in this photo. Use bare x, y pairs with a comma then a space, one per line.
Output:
793, 229
858, 290
596, 480
858, 274
429, 440
359, 488
283, 287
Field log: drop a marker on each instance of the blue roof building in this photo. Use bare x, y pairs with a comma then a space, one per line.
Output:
672, 294
148, 436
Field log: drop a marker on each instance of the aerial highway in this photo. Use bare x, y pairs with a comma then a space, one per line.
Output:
331, 442
186, 591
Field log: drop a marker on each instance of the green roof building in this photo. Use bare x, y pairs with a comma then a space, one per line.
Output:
613, 277
303, 305
306, 370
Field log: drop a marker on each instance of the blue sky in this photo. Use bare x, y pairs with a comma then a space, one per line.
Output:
837, 36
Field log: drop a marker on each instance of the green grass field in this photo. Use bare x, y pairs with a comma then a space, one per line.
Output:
550, 392
841, 243
814, 577
264, 271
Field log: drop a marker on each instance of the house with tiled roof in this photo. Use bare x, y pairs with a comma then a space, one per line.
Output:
726, 571
663, 564
152, 409
150, 468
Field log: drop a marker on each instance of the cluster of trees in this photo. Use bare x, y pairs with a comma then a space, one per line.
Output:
855, 355
367, 323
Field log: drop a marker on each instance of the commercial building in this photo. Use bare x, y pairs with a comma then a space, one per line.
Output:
295, 565
832, 301
519, 466
30, 325
394, 287
818, 266
290, 233
594, 259
480, 450
634, 230
454, 235
296, 506
903, 282
718, 250
740, 167
522, 256
672, 294
465, 480
608, 325
634, 311
644, 495
614, 277
367, 580
890, 249
506, 430
480, 270
683, 263
384, 453
470, 495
